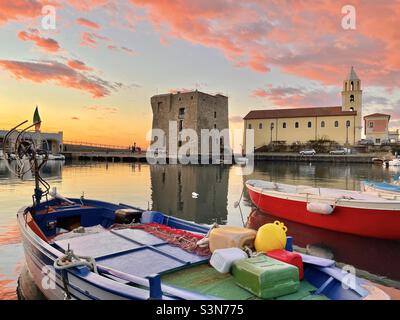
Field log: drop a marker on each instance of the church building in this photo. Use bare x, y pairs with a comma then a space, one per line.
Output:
342, 124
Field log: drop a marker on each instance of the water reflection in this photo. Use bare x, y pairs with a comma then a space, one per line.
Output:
172, 187
52, 169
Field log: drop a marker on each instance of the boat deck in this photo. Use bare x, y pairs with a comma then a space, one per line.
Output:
206, 280
131, 251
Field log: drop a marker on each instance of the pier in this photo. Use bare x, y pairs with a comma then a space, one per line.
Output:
348, 158
109, 156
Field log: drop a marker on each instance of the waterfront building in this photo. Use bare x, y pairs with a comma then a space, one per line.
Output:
50, 141
342, 124
191, 110
394, 136
377, 128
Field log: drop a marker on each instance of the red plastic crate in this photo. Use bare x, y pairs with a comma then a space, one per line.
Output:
290, 258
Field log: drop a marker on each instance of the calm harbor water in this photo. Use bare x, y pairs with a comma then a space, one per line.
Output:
168, 188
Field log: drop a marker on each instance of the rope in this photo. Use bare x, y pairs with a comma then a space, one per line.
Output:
71, 260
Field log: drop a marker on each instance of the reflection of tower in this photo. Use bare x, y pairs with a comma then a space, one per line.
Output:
172, 188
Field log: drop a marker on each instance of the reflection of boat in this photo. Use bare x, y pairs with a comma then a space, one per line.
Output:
382, 188
56, 157
393, 163
364, 253
339, 210
241, 161
125, 267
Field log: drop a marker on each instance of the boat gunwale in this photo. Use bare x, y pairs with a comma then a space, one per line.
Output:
389, 205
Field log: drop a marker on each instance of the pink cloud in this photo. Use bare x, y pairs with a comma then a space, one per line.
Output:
46, 44
293, 97
301, 38
19, 9
59, 74
90, 39
78, 65
87, 23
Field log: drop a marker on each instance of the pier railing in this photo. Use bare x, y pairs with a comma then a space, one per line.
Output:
96, 145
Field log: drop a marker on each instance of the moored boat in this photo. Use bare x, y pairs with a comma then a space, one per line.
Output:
382, 188
129, 262
345, 211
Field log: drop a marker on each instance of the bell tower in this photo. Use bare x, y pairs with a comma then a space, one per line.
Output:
352, 100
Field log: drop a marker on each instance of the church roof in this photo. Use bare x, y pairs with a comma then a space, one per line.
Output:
352, 75
298, 113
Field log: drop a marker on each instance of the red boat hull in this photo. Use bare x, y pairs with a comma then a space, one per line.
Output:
384, 224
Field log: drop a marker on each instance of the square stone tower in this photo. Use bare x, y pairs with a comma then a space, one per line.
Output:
190, 110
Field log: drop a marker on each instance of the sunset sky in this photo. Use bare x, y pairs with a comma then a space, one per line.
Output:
93, 75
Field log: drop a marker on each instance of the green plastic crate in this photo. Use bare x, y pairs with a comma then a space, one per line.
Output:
266, 277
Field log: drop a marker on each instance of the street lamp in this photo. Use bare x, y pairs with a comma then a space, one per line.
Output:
272, 128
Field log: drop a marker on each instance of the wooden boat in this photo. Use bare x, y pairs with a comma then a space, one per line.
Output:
130, 263
346, 211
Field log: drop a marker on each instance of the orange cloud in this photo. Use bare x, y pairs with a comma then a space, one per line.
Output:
19, 9
87, 23
46, 44
293, 97
302, 38
60, 74
78, 65
90, 39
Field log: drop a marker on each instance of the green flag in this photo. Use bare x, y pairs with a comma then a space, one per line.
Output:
36, 119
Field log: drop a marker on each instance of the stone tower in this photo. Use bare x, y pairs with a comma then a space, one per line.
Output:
352, 100
189, 110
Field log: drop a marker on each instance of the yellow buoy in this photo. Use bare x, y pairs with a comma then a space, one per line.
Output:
271, 236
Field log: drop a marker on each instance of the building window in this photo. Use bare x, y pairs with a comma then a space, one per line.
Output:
309, 124
378, 141
191, 97
159, 106
296, 125
215, 126
351, 109
352, 98
180, 125
181, 111
371, 124
322, 124
260, 126
249, 126
336, 124
348, 123
215, 114
284, 125
351, 86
